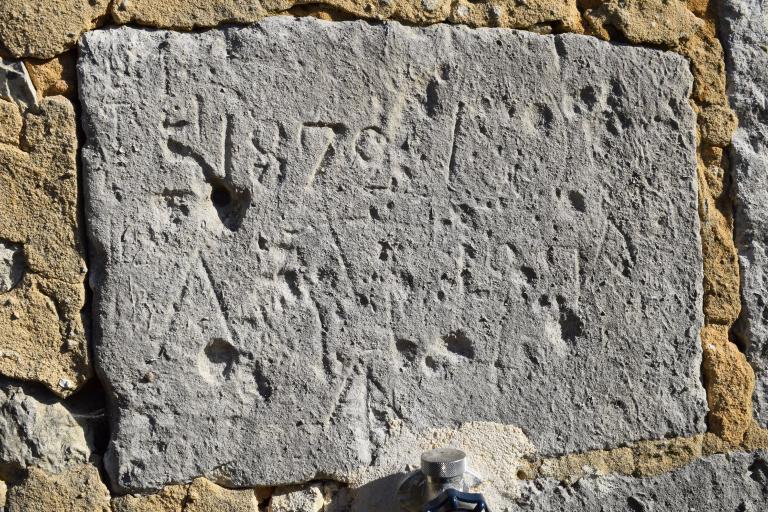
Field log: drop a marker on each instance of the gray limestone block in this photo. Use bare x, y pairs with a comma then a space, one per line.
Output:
736, 482
11, 265
38, 430
745, 28
304, 233
15, 84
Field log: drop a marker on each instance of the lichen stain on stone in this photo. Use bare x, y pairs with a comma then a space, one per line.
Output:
41, 327
11, 266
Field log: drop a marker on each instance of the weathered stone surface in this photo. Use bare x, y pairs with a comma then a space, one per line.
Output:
11, 266
180, 14
77, 490
304, 231
11, 123
658, 22
674, 25
544, 15
309, 499
204, 496
199, 496
738, 481
15, 84
35, 431
730, 385
54, 76
169, 499
745, 25
495, 452
45, 28
643, 459
42, 336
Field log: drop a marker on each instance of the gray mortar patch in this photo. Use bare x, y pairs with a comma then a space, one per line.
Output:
304, 233
745, 25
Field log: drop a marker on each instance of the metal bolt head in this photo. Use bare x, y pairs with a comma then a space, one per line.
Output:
443, 463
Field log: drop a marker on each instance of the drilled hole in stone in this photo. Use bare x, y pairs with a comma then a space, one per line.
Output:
230, 203
221, 197
11, 265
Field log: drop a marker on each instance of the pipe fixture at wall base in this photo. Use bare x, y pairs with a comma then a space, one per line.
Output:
442, 484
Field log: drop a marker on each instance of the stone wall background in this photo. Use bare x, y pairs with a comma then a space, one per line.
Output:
53, 425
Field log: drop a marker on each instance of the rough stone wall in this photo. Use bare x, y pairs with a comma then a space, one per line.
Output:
746, 37
55, 419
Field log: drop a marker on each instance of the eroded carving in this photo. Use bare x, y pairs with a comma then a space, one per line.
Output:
416, 247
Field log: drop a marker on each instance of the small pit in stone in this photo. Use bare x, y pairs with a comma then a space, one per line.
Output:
11, 265
217, 360
457, 342
578, 201
571, 325
407, 348
230, 203
220, 196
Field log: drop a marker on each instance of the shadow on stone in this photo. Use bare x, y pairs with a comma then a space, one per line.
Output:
377, 496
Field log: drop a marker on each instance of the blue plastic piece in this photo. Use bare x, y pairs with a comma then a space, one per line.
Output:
452, 500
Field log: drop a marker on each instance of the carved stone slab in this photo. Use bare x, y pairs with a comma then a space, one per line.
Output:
745, 26
309, 236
